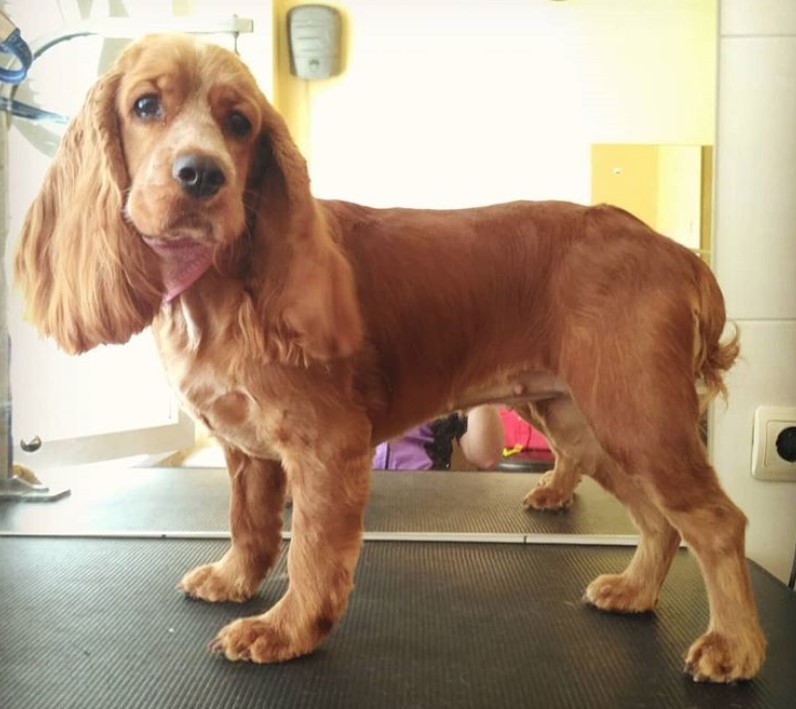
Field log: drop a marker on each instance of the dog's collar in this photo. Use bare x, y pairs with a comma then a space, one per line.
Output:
182, 263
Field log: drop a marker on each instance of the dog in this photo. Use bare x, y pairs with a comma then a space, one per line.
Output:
302, 331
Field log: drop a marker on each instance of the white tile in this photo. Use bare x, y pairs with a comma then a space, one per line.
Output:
755, 217
756, 17
764, 375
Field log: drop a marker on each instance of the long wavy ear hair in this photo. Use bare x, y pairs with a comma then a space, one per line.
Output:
302, 285
86, 276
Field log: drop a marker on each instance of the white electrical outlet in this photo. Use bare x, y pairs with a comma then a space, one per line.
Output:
767, 463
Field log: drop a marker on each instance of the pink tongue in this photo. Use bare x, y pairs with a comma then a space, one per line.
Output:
182, 262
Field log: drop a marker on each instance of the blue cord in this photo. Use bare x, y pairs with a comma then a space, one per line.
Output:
13, 44
16, 46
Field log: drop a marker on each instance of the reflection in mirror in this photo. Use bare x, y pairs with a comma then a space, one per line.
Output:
549, 107
667, 186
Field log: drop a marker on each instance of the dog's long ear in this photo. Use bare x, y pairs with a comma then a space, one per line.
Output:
303, 284
86, 277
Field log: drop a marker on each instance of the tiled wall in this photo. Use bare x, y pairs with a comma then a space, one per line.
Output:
755, 253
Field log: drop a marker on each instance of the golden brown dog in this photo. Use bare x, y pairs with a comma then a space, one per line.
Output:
303, 331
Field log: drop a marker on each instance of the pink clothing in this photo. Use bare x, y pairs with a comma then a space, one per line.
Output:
519, 433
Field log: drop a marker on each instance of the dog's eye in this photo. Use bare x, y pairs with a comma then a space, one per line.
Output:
238, 125
148, 107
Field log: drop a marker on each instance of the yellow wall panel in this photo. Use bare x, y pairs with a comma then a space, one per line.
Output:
626, 176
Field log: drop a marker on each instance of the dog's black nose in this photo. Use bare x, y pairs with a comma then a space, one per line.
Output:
198, 175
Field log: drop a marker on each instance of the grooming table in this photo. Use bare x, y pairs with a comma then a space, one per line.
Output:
91, 618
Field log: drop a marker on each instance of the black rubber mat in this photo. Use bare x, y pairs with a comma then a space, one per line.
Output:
485, 503
195, 500
97, 623
119, 500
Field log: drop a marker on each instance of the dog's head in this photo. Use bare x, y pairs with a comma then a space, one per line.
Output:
177, 155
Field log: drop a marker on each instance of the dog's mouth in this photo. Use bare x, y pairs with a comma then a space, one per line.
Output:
190, 226
176, 246
173, 219
183, 260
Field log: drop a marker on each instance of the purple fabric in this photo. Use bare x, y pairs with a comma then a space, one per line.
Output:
405, 453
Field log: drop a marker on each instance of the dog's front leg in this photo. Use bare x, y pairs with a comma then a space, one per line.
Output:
330, 489
257, 498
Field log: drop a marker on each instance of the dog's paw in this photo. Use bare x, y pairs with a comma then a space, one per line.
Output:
215, 583
548, 496
259, 639
715, 657
616, 593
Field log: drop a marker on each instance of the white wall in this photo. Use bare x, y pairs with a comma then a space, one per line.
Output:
460, 102
755, 253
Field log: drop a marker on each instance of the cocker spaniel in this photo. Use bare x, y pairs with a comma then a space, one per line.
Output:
302, 331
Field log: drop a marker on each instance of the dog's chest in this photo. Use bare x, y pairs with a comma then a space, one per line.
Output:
215, 384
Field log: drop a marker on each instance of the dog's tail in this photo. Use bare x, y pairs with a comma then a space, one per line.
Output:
714, 354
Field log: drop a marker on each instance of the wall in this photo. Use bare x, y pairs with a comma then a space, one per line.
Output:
680, 206
755, 253
660, 184
460, 102
627, 176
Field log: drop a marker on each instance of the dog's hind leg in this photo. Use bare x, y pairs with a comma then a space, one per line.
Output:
733, 647
256, 502
652, 432
557, 420
636, 589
